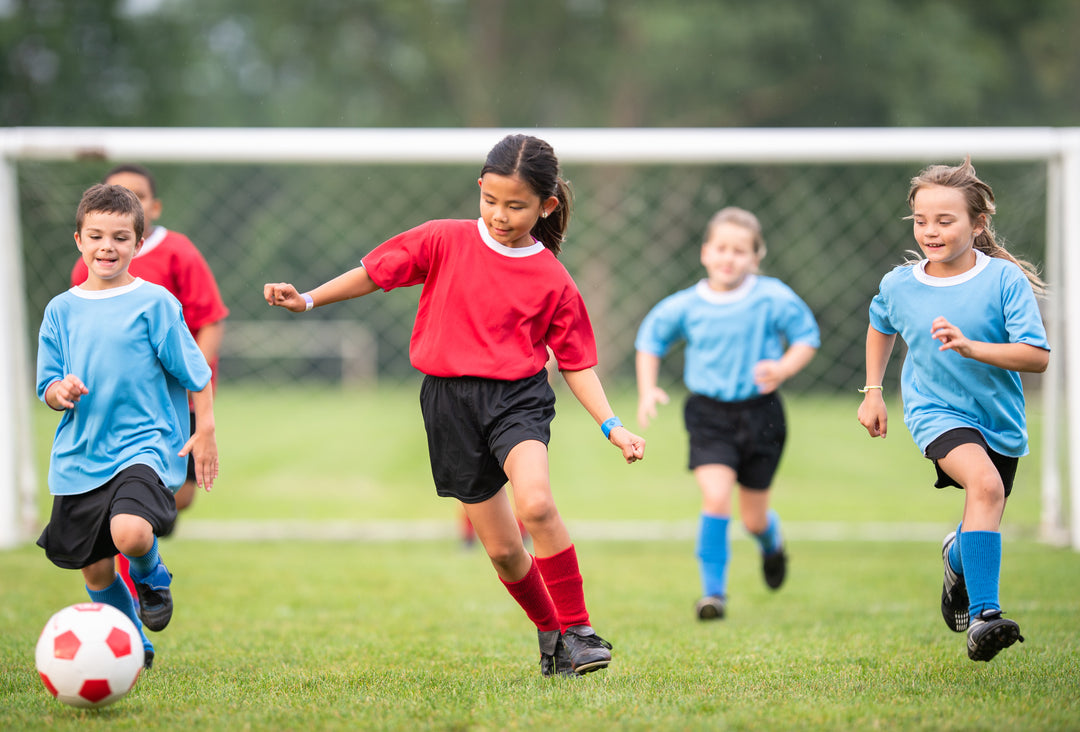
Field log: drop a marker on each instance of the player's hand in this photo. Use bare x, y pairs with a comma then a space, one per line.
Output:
632, 446
951, 337
203, 446
67, 391
283, 295
768, 375
646, 409
873, 415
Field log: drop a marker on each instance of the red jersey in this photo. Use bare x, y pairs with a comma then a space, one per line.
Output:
486, 309
168, 258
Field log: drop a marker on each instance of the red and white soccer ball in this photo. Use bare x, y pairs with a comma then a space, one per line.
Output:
89, 655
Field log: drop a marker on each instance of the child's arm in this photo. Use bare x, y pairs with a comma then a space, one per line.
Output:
209, 340
63, 394
354, 283
1009, 356
872, 413
203, 444
769, 375
649, 394
587, 388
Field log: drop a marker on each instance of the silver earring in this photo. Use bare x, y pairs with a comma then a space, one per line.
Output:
544, 215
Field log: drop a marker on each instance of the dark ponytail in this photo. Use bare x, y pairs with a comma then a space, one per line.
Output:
533, 161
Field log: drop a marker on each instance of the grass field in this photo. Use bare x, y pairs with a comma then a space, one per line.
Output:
287, 633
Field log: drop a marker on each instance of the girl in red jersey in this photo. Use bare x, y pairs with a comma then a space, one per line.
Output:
494, 299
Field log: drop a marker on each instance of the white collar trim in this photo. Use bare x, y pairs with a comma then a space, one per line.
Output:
982, 261
724, 298
150, 243
502, 249
106, 294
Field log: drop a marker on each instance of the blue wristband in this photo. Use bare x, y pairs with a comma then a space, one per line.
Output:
609, 425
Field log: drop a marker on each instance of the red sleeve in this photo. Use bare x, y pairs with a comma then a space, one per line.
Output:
196, 288
403, 260
571, 335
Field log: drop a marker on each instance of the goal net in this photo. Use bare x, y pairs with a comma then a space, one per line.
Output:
306, 204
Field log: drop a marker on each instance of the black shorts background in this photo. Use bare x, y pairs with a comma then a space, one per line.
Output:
747, 436
946, 442
78, 532
473, 423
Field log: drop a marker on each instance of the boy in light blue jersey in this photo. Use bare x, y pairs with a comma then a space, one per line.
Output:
970, 319
745, 335
115, 356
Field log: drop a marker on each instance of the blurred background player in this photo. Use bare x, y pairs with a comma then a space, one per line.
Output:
170, 259
745, 335
968, 314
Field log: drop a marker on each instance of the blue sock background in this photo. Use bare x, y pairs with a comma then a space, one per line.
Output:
144, 565
981, 554
955, 558
770, 540
713, 553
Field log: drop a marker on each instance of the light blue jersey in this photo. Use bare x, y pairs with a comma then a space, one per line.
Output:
728, 333
993, 302
131, 348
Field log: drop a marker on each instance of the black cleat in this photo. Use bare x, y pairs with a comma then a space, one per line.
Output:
990, 633
774, 567
587, 651
711, 607
554, 660
954, 596
155, 599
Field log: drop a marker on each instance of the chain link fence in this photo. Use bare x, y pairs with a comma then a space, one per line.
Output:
832, 231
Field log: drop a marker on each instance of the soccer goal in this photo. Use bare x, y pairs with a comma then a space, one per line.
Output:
255, 201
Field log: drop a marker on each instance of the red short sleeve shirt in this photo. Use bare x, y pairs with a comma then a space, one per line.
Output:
486, 309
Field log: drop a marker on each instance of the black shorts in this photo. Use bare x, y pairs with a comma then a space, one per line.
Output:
78, 533
473, 423
746, 436
945, 443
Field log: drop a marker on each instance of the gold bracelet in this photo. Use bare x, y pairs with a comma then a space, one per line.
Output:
869, 387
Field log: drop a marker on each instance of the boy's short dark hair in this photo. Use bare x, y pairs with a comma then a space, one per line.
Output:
111, 199
137, 170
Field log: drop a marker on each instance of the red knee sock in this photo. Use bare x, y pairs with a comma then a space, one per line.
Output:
532, 595
122, 568
564, 583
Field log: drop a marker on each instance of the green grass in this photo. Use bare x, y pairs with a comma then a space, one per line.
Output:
420, 635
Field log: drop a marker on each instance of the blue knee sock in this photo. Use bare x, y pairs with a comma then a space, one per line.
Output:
712, 553
770, 539
144, 565
118, 596
956, 560
981, 553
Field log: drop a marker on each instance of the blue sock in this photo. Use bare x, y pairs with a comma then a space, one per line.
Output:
712, 553
770, 539
118, 596
956, 560
981, 553
144, 565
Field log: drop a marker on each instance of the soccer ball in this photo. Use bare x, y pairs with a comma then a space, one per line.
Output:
89, 655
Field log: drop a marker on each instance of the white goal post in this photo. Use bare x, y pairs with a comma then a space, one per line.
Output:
1059, 148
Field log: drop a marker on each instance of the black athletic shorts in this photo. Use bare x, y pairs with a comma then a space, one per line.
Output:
472, 424
946, 442
78, 533
747, 436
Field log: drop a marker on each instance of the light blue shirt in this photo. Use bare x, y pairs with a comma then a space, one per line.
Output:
992, 302
132, 350
728, 333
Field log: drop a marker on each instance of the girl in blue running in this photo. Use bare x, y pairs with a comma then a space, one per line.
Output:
745, 335
968, 314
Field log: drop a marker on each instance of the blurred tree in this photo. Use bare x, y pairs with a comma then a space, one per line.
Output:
560, 63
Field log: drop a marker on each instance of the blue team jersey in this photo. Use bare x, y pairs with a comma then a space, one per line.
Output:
993, 302
132, 350
728, 333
